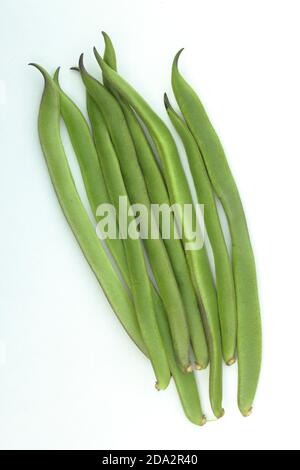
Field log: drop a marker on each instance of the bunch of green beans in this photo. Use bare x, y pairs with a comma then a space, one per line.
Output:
180, 312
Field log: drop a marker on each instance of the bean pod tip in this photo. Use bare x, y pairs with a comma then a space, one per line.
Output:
248, 413
203, 421
231, 361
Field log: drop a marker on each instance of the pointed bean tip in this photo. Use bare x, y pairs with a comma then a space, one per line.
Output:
40, 69
157, 386
56, 75
221, 414
178, 55
98, 56
199, 366
37, 66
81, 64
166, 101
189, 369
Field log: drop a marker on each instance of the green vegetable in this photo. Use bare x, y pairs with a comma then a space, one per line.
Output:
158, 194
180, 194
87, 157
84, 232
224, 275
248, 311
139, 279
137, 193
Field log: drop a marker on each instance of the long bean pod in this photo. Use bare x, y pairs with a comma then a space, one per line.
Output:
180, 194
158, 194
249, 337
139, 279
185, 383
224, 274
80, 224
137, 193
49, 132
82, 142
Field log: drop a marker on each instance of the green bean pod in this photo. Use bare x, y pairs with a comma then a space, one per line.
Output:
80, 224
91, 172
180, 194
158, 194
224, 274
118, 297
249, 336
185, 383
139, 279
137, 193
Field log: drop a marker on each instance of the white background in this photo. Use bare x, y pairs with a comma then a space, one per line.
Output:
69, 376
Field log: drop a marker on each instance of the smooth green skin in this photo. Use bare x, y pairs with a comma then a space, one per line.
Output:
84, 232
224, 274
138, 274
185, 383
137, 193
49, 131
91, 172
249, 335
158, 194
179, 193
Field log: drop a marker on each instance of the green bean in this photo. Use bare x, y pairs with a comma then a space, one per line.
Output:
159, 195
87, 157
185, 383
84, 232
137, 193
49, 131
139, 279
224, 275
180, 194
248, 312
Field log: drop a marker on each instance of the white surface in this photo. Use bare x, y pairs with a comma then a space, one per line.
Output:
69, 376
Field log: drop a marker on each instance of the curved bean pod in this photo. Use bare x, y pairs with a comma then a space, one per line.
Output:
82, 228
87, 157
137, 193
158, 194
138, 274
185, 383
180, 194
49, 131
224, 274
249, 336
